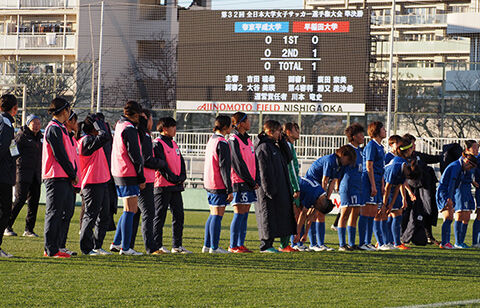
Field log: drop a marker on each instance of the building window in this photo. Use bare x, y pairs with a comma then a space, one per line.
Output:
152, 9
150, 50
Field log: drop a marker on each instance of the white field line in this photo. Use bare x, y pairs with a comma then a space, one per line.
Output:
444, 304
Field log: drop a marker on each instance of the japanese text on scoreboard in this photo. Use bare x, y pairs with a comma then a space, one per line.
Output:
287, 61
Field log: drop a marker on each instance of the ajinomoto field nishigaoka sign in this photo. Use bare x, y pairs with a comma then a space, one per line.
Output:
281, 61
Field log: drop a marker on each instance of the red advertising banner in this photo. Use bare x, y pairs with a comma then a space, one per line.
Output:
321, 26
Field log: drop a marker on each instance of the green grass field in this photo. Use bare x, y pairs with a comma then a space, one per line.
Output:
421, 275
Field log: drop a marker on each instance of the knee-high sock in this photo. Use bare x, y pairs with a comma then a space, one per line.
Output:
117, 239
389, 239
312, 235
127, 228
362, 229
386, 231
464, 232
243, 230
446, 231
378, 231
320, 233
351, 231
302, 232
341, 236
235, 229
207, 242
396, 229
457, 230
368, 240
475, 231
215, 229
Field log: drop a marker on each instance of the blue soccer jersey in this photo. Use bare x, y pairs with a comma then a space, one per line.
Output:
350, 188
449, 182
374, 152
310, 191
463, 194
328, 166
394, 176
388, 157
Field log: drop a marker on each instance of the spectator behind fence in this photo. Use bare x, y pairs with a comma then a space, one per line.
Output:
29, 175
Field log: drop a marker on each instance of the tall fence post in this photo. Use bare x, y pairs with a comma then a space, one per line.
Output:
390, 73
99, 77
442, 107
395, 110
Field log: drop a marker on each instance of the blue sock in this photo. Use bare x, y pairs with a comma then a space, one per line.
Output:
341, 236
117, 239
362, 229
396, 229
243, 229
127, 228
320, 233
215, 229
475, 231
457, 230
368, 240
302, 232
385, 231
464, 232
351, 231
206, 241
389, 240
312, 234
235, 229
446, 231
378, 231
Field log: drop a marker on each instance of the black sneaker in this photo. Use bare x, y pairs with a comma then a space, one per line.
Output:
345, 248
9, 232
354, 247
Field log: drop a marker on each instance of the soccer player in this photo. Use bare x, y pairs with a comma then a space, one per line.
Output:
476, 222
396, 174
217, 182
326, 170
94, 177
128, 174
373, 186
350, 190
449, 182
392, 144
244, 180
169, 186
59, 173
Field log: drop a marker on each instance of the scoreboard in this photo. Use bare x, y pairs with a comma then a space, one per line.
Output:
280, 61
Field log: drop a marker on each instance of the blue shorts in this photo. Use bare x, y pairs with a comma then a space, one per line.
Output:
464, 201
398, 202
217, 199
367, 190
126, 191
349, 199
310, 191
244, 197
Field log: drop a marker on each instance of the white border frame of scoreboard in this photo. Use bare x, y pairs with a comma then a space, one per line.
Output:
307, 108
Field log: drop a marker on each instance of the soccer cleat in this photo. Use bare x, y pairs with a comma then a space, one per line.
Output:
205, 249
165, 250
465, 246
476, 245
333, 228
287, 249
157, 252
9, 232
354, 247
218, 250
300, 247
364, 247
234, 250
4, 254
130, 252
345, 248
372, 248
384, 248
92, 253
314, 248
29, 234
180, 249
392, 246
102, 252
449, 246
115, 248
245, 249
68, 251
59, 254
325, 248
270, 250
403, 247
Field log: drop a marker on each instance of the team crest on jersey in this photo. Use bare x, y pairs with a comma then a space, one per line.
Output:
253, 150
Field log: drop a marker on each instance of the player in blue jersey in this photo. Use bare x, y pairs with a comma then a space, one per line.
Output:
373, 185
396, 174
446, 190
325, 171
350, 189
476, 222
392, 144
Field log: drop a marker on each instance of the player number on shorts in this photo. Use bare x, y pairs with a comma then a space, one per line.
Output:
354, 199
244, 197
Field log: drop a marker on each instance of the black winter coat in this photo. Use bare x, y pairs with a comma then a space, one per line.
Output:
274, 211
7, 162
29, 163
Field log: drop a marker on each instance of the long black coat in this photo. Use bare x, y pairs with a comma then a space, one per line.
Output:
7, 162
29, 163
274, 210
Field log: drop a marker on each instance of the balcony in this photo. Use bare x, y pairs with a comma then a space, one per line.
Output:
37, 41
461, 46
37, 4
411, 20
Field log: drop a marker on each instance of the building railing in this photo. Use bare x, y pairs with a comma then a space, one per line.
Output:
37, 4
38, 41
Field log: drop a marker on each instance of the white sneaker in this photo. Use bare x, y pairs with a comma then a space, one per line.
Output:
130, 252
392, 246
372, 248
364, 247
325, 248
333, 228
181, 249
4, 254
205, 249
384, 247
476, 245
68, 251
164, 250
102, 252
315, 248
92, 253
456, 246
29, 234
218, 250
299, 247
9, 233
115, 248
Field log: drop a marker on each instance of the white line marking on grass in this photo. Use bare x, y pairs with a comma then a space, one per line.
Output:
445, 304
